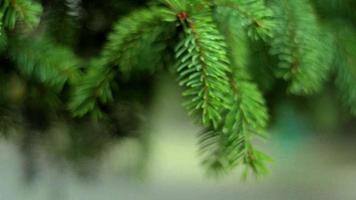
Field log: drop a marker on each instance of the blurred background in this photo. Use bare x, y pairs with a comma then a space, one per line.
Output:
307, 163
146, 148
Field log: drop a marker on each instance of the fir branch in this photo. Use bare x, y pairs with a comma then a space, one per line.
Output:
133, 47
202, 67
92, 89
138, 37
303, 51
42, 60
231, 144
224, 148
177, 6
255, 16
346, 66
25, 11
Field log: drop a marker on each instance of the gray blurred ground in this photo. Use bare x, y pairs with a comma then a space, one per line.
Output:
304, 168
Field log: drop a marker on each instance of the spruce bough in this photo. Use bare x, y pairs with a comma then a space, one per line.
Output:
208, 45
211, 45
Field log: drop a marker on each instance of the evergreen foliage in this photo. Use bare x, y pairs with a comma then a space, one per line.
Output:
24, 11
345, 66
43, 60
203, 68
228, 54
303, 51
94, 88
